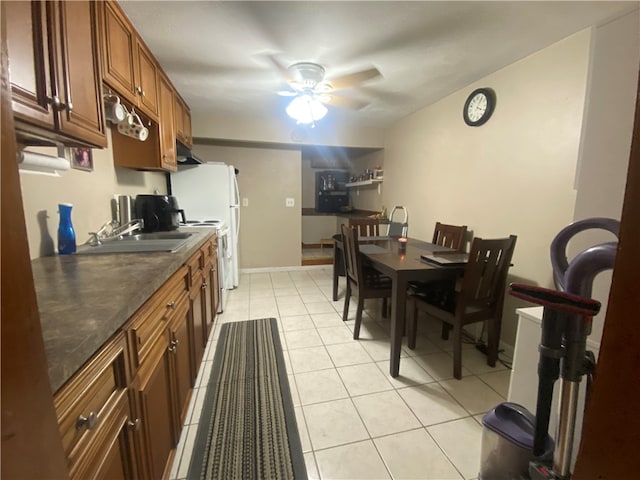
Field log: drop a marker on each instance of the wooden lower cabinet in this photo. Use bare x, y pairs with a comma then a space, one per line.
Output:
154, 399
95, 419
121, 415
211, 284
181, 364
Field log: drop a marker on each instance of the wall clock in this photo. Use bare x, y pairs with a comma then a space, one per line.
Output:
479, 107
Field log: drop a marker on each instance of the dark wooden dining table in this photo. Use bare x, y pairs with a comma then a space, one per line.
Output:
403, 266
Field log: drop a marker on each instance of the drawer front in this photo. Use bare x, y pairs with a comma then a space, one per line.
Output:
154, 316
209, 251
83, 404
195, 264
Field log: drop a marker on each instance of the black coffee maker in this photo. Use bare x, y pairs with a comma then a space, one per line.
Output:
160, 213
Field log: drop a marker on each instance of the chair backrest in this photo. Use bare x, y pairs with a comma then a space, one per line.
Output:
485, 274
451, 236
351, 251
367, 227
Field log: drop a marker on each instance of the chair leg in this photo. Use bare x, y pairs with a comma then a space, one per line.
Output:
457, 351
412, 323
492, 343
356, 328
347, 297
335, 276
385, 306
446, 328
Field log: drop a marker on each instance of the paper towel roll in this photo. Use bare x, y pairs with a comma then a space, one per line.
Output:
31, 162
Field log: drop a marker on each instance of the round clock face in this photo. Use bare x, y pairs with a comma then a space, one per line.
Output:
479, 107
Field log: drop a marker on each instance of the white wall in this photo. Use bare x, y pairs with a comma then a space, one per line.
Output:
89, 192
283, 130
270, 232
513, 175
606, 139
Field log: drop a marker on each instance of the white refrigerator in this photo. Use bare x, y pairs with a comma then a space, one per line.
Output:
210, 192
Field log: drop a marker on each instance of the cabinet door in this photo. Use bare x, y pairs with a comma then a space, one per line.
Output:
214, 294
186, 122
157, 412
215, 286
118, 47
147, 81
208, 301
197, 311
27, 30
181, 363
115, 459
178, 117
168, 158
78, 73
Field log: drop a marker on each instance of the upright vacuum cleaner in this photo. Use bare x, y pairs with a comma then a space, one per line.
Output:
566, 324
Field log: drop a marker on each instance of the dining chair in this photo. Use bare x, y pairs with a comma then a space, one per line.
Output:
367, 227
439, 292
451, 236
480, 298
364, 281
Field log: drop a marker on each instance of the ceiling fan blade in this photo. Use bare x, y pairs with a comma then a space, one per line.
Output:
346, 102
354, 79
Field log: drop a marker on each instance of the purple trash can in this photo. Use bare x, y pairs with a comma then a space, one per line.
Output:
507, 443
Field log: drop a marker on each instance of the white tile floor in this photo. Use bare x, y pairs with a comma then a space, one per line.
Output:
355, 421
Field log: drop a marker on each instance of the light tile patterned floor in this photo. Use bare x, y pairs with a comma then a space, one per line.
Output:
355, 421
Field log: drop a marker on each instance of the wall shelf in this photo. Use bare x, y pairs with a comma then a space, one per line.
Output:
365, 183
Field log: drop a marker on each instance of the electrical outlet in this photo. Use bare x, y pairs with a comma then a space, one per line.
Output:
245, 202
289, 202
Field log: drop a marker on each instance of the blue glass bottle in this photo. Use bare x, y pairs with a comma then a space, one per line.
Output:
66, 234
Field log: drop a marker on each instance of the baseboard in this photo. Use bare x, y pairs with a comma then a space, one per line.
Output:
283, 269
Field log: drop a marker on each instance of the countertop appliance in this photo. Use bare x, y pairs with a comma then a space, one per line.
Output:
331, 191
160, 213
209, 194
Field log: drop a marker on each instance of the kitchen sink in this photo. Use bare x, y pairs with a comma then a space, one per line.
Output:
157, 236
139, 243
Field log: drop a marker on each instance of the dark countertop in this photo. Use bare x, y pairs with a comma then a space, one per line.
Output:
83, 300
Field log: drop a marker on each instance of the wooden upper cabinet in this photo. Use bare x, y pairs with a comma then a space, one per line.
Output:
182, 118
55, 71
188, 139
147, 80
128, 65
168, 157
79, 73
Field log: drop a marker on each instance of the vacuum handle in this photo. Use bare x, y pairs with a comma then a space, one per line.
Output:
555, 300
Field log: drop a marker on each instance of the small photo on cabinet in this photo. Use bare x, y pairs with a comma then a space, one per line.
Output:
82, 158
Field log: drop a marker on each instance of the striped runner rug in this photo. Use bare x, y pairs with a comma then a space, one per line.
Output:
248, 429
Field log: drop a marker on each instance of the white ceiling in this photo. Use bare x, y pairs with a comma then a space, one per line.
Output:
216, 53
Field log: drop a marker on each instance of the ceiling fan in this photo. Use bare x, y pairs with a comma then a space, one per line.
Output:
311, 91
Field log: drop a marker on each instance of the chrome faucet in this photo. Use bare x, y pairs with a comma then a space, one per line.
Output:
116, 231
129, 227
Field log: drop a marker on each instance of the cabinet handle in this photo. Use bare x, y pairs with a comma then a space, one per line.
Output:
135, 425
139, 90
171, 305
87, 422
204, 285
69, 107
57, 104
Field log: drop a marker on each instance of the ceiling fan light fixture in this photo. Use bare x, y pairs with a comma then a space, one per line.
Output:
306, 109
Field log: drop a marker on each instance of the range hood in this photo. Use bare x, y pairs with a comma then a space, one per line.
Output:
186, 157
